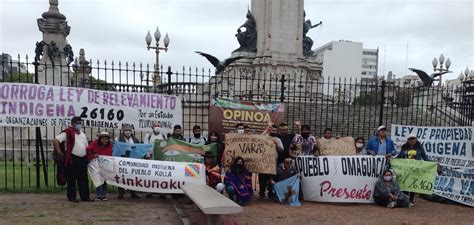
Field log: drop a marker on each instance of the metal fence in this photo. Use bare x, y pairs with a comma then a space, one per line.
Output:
348, 106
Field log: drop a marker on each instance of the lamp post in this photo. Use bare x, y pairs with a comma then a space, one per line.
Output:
166, 42
441, 68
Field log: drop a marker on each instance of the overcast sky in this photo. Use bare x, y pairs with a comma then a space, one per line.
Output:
116, 29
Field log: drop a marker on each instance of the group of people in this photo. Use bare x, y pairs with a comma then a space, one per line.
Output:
72, 146
73, 152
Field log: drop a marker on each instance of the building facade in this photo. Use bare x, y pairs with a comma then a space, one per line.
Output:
348, 59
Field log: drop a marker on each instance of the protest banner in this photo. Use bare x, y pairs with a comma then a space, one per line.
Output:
36, 105
453, 149
415, 175
226, 114
339, 178
340, 146
135, 151
258, 151
180, 151
287, 191
145, 175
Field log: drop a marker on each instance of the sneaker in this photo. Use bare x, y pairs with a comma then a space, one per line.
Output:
104, 199
391, 205
412, 205
98, 199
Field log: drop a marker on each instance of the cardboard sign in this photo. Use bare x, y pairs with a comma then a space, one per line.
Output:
341, 146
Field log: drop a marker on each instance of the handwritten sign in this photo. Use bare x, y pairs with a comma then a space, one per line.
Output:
415, 175
31, 105
341, 146
258, 151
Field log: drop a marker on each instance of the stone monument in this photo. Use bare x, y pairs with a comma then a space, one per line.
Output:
279, 30
57, 53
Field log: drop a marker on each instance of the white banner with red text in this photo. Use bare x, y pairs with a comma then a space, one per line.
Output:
145, 175
36, 105
339, 178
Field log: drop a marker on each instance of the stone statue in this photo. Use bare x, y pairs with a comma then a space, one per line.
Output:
307, 41
219, 65
69, 54
427, 79
248, 38
39, 50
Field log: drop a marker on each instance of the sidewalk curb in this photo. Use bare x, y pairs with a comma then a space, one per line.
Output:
184, 219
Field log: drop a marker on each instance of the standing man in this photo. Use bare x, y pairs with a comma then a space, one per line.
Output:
151, 137
304, 144
286, 139
71, 145
380, 144
177, 133
265, 180
197, 138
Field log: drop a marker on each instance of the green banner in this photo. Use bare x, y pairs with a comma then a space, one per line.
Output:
181, 151
415, 175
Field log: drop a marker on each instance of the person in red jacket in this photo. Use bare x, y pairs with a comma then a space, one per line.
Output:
101, 146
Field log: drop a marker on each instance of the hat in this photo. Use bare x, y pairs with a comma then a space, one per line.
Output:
381, 128
412, 135
103, 134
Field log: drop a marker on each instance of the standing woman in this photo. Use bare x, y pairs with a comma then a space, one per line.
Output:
214, 138
101, 146
413, 149
127, 136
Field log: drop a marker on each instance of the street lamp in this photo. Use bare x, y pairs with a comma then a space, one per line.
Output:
166, 42
441, 68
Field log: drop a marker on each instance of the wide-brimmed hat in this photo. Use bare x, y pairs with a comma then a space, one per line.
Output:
103, 134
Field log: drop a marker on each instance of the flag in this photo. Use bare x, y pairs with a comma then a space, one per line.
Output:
180, 151
288, 190
135, 151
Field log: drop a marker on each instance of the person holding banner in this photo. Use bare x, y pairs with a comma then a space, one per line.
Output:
127, 136
286, 138
285, 170
264, 180
71, 145
101, 146
359, 144
197, 138
380, 144
213, 171
304, 144
387, 192
214, 138
154, 135
238, 182
412, 149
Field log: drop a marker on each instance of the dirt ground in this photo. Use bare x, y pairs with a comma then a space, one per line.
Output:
54, 209
266, 212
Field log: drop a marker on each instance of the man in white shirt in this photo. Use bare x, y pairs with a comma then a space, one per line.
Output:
197, 138
152, 136
73, 152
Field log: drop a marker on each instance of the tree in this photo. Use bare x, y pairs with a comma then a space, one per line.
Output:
19, 78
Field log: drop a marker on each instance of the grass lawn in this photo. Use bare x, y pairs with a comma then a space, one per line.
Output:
21, 177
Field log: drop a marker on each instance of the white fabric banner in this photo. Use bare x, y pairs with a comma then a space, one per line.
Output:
339, 178
453, 149
145, 175
31, 105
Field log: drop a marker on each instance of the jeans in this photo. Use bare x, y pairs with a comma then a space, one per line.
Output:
101, 191
231, 192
